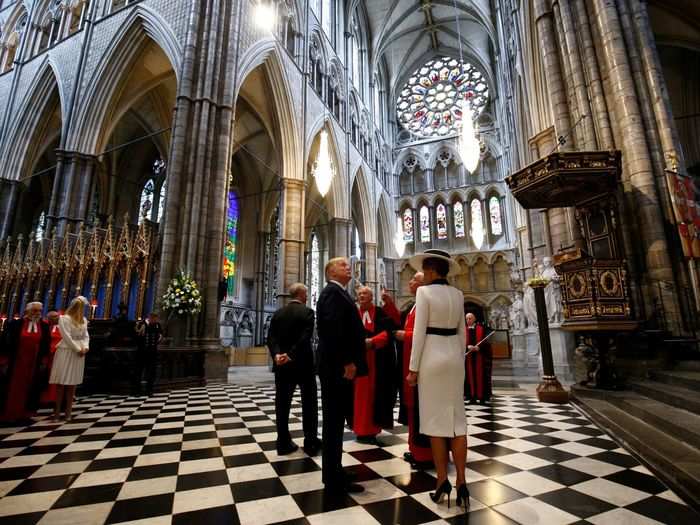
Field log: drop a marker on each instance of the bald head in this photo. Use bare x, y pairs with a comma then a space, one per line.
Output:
416, 282
365, 296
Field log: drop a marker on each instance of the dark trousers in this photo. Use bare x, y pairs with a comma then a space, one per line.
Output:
147, 363
337, 397
287, 378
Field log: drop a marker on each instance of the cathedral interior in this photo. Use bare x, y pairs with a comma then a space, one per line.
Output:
550, 143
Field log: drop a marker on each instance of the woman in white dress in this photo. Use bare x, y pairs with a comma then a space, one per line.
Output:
69, 360
437, 367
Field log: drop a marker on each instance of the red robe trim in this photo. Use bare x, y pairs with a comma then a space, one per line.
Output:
23, 373
365, 387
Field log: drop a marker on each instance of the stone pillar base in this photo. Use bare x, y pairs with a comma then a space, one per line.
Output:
551, 391
563, 350
216, 363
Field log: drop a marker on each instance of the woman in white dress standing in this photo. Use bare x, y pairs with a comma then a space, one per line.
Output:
437, 367
69, 360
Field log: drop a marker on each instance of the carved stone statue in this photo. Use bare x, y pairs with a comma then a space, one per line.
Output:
246, 325
552, 292
498, 317
517, 314
529, 308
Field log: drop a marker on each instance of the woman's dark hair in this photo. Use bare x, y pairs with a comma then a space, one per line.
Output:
439, 266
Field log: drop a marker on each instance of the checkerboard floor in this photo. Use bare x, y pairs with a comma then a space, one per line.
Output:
207, 455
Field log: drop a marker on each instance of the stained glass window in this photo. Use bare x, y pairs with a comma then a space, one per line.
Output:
441, 215
315, 270
146, 204
477, 229
495, 213
40, 230
161, 201
458, 210
430, 102
408, 225
424, 224
230, 244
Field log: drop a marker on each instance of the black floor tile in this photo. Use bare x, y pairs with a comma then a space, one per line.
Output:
243, 460
88, 495
575, 503
637, 480
621, 460
153, 471
665, 511
414, 483
225, 515
481, 517
491, 492
111, 463
141, 508
31, 518
372, 454
562, 475
34, 485
318, 501
551, 454
606, 444
406, 511
258, 489
202, 480
491, 450
295, 466
201, 453
159, 448
492, 468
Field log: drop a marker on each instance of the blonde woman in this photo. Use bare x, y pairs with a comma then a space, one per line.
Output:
69, 360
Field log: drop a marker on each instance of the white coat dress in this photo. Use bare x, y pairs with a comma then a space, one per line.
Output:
68, 365
439, 361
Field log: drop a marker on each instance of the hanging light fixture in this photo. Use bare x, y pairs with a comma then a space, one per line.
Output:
469, 147
399, 241
323, 170
264, 16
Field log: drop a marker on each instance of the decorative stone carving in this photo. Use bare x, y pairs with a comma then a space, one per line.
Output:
518, 322
552, 292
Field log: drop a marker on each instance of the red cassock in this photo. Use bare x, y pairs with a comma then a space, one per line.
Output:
23, 372
478, 366
364, 424
420, 453
49, 393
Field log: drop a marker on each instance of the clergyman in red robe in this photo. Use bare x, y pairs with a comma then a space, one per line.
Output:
25, 343
419, 452
477, 380
49, 393
375, 393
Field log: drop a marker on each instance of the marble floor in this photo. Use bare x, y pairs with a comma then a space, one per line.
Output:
207, 455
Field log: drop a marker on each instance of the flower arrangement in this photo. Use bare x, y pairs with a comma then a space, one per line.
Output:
182, 296
537, 281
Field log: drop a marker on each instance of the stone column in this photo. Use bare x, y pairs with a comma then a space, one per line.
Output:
430, 179
198, 165
71, 190
291, 253
638, 173
340, 234
9, 192
371, 278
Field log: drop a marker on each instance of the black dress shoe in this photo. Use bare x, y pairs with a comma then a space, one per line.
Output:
312, 448
407, 456
367, 440
283, 450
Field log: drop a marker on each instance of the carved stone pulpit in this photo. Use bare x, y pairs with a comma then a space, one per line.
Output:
594, 287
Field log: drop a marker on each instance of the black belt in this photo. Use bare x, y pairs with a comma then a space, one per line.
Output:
431, 330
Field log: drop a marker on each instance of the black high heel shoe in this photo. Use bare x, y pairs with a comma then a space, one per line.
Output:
463, 496
444, 489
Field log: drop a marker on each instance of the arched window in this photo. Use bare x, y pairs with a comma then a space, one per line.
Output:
40, 229
441, 215
458, 211
477, 229
314, 270
424, 216
495, 214
356, 244
146, 204
230, 244
356, 59
430, 103
328, 19
408, 225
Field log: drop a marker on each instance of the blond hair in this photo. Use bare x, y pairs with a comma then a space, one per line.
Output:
331, 264
76, 309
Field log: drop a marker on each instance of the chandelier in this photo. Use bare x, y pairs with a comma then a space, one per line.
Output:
399, 242
323, 170
469, 147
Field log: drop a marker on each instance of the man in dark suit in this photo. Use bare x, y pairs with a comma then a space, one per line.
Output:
289, 342
341, 350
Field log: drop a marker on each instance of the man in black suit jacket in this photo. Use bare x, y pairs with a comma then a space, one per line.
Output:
341, 350
289, 341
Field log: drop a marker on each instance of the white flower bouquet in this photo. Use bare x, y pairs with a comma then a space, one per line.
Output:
182, 296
